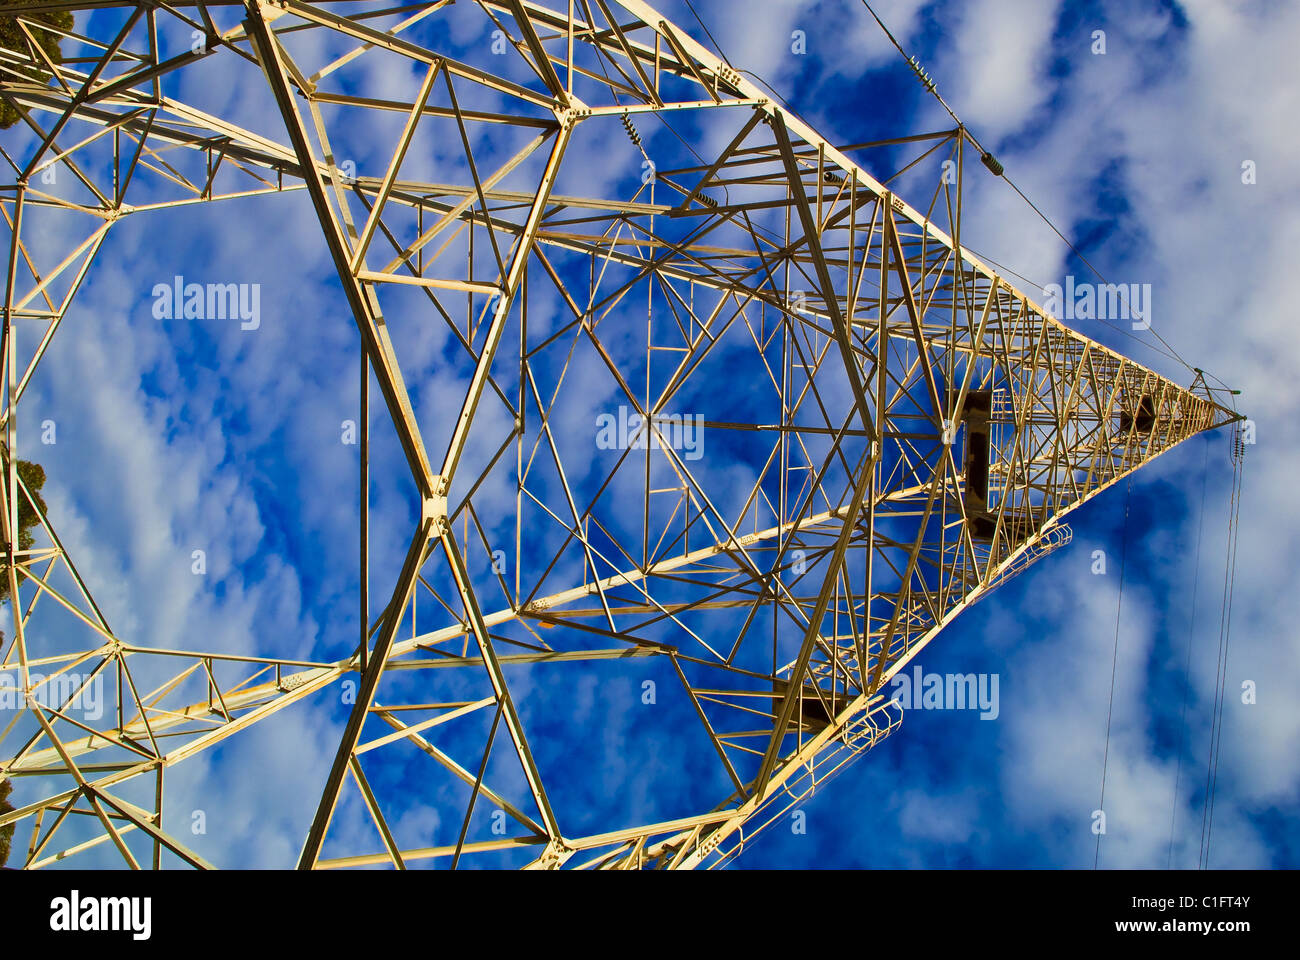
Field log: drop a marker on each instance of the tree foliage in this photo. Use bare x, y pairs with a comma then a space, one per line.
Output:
32, 476
13, 38
6, 832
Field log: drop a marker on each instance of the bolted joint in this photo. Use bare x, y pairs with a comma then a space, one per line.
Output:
727, 75
273, 9
440, 523
435, 506
569, 115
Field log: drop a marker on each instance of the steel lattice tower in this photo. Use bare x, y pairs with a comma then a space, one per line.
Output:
913, 431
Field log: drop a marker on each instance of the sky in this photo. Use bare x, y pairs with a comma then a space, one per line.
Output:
1137, 153
178, 435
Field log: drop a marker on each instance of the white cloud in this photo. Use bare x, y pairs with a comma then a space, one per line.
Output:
168, 476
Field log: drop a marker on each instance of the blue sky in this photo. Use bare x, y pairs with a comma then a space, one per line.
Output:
1137, 154
209, 437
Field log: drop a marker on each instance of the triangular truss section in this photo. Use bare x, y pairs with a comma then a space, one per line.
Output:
741, 418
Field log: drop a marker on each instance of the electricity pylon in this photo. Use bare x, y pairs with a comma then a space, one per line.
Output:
713, 400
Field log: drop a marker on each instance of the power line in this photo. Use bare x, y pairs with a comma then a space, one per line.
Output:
1118, 329
717, 46
1225, 638
997, 169
931, 88
1187, 666
916, 68
1114, 664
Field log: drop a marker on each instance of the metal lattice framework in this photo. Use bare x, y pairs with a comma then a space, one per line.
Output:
893, 428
